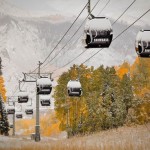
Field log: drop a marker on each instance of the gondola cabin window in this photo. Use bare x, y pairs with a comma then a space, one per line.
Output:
19, 115
29, 110
98, 33
74, 88
45, 100
142, 44
44, 86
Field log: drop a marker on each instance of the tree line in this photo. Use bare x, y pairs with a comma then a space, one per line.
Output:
112, 97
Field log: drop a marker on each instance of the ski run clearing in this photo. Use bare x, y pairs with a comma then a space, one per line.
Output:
124, 138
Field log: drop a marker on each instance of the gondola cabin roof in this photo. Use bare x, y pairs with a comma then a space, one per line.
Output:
74, 84
99, 23
143, 35
44, 81
44, 97
23, 94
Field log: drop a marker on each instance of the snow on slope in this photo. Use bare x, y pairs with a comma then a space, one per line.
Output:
25, 40
20, 45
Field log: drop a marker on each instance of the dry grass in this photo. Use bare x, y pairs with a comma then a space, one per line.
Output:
125, 138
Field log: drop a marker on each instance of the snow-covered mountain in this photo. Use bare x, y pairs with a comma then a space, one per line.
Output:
24, 40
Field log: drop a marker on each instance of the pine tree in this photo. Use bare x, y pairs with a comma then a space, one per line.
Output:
127, 91
4, 125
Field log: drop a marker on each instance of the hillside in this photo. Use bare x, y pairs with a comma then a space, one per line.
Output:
109, 97
124, 138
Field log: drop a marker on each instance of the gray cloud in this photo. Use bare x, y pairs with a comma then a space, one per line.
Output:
70, 7
73, 7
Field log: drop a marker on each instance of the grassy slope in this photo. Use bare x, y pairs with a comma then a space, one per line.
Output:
126, 138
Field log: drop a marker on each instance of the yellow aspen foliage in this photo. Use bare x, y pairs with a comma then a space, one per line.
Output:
123, 69
88, 76
2, 89
140, 74
48, 125
143, 113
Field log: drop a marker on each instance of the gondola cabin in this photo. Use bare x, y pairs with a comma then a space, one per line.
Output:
45, 100
29, 111
4, 113
10, 110
44, 86
142, 44
74, 88
11, 126
23, 97
98, 33
19, 115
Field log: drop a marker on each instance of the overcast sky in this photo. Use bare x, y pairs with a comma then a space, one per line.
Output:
53, 6
73, 7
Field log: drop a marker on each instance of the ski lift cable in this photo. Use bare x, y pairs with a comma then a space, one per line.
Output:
63, 36
104, 8
124, 12
80, 35
71, 36
69, 48
66, 32
85, 20
120, 17
85, 50
119, 34
16, 89
58, 42
116, 36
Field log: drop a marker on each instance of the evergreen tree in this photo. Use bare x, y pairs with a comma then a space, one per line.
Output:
127, 92
4, 125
